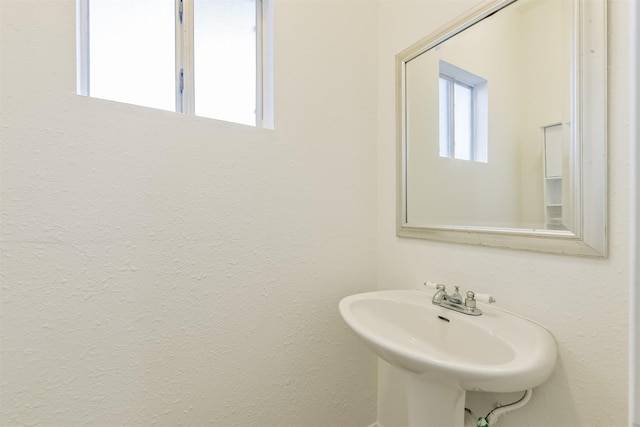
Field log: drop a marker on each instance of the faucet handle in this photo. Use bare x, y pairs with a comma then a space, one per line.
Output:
486, 298
433, 285
470, 300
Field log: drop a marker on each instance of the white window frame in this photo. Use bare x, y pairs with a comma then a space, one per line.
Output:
185, 90
453, 139
479, 111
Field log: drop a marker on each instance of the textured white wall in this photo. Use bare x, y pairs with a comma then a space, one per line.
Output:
634, 353
582, 301
165, 269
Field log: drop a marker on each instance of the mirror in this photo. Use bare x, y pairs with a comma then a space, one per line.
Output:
502, 128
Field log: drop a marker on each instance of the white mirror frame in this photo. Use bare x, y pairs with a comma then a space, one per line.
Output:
588, 140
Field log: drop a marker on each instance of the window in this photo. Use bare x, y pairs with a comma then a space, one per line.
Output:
463, 114
201, 57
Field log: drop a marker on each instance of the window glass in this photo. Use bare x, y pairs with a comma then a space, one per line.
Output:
463, 121
444, 125
132, 53
225, 60
463, 114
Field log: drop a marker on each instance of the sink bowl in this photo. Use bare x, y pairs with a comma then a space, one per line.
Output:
494, 352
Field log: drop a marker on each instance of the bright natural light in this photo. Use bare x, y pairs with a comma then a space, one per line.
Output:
225, 59
132, 52
444, 119
195, 56
463, 116
463, 121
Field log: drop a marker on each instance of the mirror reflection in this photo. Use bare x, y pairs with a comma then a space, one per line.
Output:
488, 123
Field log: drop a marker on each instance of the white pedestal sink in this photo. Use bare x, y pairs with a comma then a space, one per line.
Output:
444, 353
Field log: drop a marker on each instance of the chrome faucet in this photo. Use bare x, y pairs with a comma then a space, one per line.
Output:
454, 301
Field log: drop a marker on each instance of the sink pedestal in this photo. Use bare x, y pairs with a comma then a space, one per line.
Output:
432, 402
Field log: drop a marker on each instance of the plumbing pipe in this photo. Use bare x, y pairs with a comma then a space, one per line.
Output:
492, 417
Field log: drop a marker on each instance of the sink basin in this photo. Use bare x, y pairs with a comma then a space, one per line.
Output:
494, 352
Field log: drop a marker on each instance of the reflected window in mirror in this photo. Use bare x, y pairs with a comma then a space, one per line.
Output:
463, 105
546, 64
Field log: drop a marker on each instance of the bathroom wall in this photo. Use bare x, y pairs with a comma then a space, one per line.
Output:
166, 269
174, 270
582, 301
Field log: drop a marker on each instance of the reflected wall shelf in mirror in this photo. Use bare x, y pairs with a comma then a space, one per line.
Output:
501, 129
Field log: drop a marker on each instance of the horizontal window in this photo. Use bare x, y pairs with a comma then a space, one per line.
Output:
202, 57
